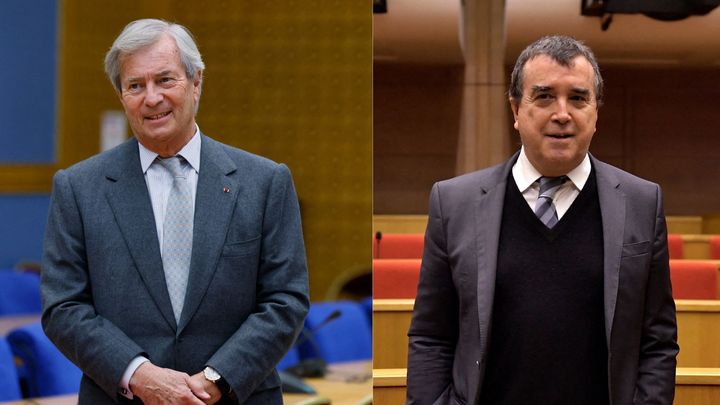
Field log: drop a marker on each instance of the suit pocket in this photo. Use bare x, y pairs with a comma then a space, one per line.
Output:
244, 248
636, 249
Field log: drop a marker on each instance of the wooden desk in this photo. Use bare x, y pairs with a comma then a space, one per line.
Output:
693, 386
389, 386
344, 384
698, 332
9, 323
391, 321
71, 399
697, 386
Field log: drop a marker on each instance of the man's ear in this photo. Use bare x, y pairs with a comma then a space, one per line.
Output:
197, 84
514, 107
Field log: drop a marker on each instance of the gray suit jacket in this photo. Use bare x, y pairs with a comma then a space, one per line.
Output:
451, 321
104, 295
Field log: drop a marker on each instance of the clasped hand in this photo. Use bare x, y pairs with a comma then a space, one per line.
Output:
157, 385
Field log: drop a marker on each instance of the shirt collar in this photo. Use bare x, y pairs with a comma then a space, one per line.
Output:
191, 153
525, 174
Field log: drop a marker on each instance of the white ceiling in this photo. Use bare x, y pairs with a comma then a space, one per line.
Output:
427, 31
630, 39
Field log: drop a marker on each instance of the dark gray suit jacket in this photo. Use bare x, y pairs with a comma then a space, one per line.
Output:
105, 300
451, 321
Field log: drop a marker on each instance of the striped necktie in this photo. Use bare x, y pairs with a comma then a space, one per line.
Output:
544, 208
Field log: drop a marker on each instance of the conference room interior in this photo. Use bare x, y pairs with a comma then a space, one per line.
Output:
440, 109
368, 110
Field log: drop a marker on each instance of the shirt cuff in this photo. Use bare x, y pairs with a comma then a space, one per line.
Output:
124, 388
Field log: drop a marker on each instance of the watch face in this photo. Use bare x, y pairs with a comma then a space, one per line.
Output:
211, 374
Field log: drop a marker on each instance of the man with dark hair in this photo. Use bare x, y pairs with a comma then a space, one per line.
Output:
174, 267
545, 280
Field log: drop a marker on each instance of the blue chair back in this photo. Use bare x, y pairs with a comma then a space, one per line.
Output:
346, 338
9, 382
19, 293
47, 371
290, 359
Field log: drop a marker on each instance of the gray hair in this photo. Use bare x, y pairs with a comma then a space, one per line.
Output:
141, 33
562, 49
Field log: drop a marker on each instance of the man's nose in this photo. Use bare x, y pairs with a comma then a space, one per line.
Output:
561, 114
153, 95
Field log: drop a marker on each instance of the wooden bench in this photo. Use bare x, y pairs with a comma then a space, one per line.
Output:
698, 332
391, 321
416, 223
684, 224
400, 223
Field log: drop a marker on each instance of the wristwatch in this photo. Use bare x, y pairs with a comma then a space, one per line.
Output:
214, 377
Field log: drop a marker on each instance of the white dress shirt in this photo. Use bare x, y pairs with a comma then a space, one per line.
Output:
526, 177
159, 183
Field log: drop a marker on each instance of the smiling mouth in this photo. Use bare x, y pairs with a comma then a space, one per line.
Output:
560, 136
157, 116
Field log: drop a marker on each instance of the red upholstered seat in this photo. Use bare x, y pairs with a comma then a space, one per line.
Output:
694, 279
675, 246
395, 278
715, 247
398, 245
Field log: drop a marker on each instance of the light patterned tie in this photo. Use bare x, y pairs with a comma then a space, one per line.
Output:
544, 208
177, 234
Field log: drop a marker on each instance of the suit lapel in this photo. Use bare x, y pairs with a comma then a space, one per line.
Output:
488, 218
215, 199
129, 200
612, 209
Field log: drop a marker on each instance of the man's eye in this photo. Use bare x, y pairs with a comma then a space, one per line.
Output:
133, 87
166, 80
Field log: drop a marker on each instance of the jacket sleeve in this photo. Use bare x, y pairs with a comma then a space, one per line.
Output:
658, 346
251, 353
434, 327
100, 349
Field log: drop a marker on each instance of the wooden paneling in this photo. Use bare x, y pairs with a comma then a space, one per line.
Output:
660, 124
26, 178
416, 122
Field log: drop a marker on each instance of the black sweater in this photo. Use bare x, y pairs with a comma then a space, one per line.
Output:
547, 343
